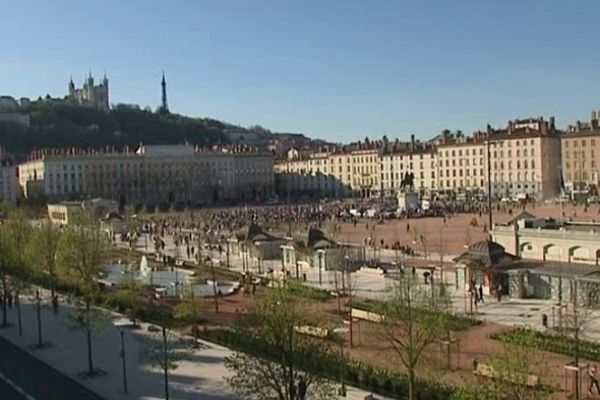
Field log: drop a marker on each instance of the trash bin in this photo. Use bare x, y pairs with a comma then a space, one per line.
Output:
545, 320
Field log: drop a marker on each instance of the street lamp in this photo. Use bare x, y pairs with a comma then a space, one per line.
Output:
120, 325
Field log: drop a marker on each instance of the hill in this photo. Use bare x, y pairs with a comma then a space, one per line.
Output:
63, 125
58, 124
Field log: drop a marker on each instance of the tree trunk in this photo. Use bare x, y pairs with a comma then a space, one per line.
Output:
18, 305
165, 363
412, 395
38, 312
88, 332
4, 302
215, 294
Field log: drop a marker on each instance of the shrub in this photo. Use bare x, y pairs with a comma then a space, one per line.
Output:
554, 343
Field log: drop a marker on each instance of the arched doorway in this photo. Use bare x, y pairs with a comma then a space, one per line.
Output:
552, 253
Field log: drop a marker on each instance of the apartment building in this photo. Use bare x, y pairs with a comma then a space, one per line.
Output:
366, 170
462, 163
523, 160
321, 174
580, 149
8, 181
417, 161
343, 171
151, 175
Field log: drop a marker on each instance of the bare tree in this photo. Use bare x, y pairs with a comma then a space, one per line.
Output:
515, 373
189, 310
274, 319
413, 321
164, 351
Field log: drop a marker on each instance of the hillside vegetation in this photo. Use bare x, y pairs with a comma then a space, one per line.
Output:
54, 125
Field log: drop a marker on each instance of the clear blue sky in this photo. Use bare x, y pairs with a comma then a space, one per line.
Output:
340, 70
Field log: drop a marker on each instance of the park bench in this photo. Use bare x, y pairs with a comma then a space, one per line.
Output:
312, 331
489, 371
366, 315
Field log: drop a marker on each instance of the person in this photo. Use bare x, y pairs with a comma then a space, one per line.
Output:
593, 380
55, 304
499, 292
301, 389
480, 293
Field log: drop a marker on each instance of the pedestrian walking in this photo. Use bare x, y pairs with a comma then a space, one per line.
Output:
55, 304
499, 292
480, 293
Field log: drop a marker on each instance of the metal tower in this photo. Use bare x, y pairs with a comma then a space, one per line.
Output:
164, 108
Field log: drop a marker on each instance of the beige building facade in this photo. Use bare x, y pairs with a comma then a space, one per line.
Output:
580, 148
523, 162
172, 174
549, 240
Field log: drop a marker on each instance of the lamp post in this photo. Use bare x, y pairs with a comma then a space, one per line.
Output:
121, 327
320, 267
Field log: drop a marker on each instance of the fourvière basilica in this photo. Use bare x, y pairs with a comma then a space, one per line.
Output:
90, 95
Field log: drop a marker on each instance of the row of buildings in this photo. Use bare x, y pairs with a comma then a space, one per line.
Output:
527, 157
522, 159
151, 175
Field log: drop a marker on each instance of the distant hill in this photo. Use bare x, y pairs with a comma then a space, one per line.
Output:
62, 125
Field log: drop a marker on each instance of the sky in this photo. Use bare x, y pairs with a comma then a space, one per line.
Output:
338, 70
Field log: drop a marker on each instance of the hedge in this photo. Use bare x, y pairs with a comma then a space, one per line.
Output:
554, 343
354, 373
456, 322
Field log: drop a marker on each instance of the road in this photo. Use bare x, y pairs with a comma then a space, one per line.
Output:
8, 393
36, 380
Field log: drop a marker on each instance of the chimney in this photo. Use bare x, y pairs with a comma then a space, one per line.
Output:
543, 127
510, 127
552, 127
594, 121
412, 143
578, 126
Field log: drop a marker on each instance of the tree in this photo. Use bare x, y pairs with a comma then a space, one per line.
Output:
189, 310
166, 350
42, 250
515, 368
127, 295
273, 321
82, 255
414, 319
14, 232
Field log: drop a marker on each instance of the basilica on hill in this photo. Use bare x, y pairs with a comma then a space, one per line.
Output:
90, 95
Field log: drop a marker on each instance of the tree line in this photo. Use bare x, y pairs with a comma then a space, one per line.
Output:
64, 125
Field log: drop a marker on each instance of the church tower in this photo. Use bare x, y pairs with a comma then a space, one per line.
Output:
164, 108
71, 89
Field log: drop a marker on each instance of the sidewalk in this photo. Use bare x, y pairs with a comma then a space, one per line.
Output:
511, 312
200, 377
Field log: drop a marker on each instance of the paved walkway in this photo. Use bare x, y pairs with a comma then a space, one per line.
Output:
201, 376
40, 382
512, 312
